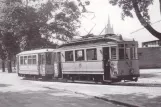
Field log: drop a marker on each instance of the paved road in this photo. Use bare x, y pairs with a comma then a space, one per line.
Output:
144, 93
15, 92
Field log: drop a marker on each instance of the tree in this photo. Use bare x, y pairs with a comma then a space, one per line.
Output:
2, 54
64, 19
10, 47
25, 27
140, 7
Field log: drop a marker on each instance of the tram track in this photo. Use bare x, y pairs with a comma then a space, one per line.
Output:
135, 84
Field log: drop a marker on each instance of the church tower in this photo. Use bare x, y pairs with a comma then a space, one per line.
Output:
109, 28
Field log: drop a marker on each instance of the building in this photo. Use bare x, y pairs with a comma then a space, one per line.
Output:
109, 27
154, 43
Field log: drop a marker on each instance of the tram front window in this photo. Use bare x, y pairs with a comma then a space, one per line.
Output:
130, 52
121, 51
127, 51
121, 54
113, 53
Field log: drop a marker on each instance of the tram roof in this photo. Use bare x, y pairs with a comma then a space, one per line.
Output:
91, 39
36, 51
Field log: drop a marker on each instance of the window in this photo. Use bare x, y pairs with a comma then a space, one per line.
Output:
34, 59
25, 60
134, 53
79, 55
21, 60
113, 53
91, 54
48, 58
121, 53
69, 56
29, 60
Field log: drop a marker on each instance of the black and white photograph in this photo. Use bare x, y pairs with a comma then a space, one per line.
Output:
80, 53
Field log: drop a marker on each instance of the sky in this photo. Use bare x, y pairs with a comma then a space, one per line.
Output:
103, 9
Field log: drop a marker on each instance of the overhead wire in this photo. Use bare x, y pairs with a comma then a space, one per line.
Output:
144, 27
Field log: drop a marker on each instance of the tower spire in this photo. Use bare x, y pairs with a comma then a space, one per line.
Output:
109, 28
109, 24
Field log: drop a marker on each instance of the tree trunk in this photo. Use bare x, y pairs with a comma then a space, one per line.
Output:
9, 63
3, 65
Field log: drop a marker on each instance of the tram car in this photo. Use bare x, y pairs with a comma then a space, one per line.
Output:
103, 58
37, 63
100, 58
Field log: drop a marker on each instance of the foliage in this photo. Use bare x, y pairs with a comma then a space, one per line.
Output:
25, 27
65, 22
140, 7
127, 7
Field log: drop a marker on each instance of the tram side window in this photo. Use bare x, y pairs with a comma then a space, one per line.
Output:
21, 60
29, 60
25, 60
91, 54
113, 53
69, 56
34, 59
48, 58
79, 55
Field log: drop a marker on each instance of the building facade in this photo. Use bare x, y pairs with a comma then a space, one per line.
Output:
154, 43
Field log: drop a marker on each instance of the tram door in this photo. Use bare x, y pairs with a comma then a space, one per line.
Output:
42, 63
106, 63
57, 65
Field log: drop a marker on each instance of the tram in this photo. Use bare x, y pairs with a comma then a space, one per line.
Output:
103, 58
36, 63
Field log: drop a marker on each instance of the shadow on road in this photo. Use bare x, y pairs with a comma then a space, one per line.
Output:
138, 100
148, 75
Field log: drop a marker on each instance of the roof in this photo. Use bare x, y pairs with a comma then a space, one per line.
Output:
96, 38
150, 41
36, 51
